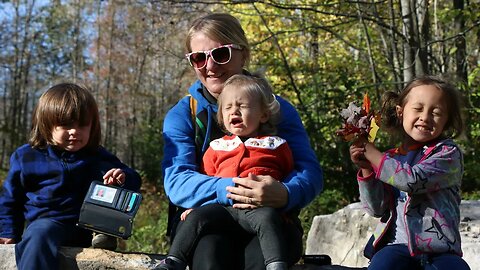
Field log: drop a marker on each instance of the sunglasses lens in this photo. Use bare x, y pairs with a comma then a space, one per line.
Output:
221, 55
198, 59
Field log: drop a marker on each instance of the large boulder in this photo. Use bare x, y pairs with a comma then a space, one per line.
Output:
343, 234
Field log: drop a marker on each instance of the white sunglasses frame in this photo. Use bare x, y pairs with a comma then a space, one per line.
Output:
209, 54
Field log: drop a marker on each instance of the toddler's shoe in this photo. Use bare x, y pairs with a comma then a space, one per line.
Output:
104, 241
170, 264
277, 266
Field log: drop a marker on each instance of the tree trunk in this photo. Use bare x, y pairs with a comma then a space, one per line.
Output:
408, 54
422, 29
460, 44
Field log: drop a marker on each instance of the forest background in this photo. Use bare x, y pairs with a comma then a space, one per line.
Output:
320, 55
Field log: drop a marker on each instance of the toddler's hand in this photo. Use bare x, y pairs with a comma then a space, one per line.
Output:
183, 216
6, 241
114, 177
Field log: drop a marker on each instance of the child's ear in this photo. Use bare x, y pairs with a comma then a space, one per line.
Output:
264, 117
399, 110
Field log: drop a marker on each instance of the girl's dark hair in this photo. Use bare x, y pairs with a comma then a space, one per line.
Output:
63, 104
259, 89
454, 125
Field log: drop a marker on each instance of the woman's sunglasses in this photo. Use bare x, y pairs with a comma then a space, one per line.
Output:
220, 55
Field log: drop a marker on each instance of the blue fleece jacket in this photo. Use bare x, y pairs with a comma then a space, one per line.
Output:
187, 187
48, 183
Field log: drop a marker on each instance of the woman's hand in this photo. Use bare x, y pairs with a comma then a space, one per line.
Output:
114, 177
185, 213
256, 191
6, 241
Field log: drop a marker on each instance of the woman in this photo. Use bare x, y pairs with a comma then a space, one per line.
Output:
219, 49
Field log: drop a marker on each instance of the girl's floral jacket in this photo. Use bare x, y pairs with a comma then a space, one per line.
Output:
431, 178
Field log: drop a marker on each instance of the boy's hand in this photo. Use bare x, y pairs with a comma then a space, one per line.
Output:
114, 177
7, 241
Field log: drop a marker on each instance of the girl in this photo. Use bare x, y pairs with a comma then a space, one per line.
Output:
49, 177
248, 111
415, 188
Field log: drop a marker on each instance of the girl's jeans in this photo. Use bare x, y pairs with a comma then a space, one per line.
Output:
397, 257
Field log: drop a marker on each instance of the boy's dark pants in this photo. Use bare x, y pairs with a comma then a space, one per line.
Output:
38, 248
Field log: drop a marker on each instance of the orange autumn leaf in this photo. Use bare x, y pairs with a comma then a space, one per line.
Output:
358, 122
366, 103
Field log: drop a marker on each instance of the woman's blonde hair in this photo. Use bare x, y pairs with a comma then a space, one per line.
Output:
259, 89
220, 27
64, 104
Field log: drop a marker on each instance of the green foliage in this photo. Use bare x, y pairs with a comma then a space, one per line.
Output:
471, 181
329, 201
149, 148
3, 175
473, 195
150, 226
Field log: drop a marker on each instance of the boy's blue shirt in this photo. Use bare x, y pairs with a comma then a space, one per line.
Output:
187, 187
47, 183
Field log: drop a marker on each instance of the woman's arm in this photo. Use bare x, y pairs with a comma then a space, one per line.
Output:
184, 184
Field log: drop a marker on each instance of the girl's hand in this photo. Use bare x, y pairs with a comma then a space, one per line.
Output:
357, 155
185, 213
6, 241
114, 177
256, 191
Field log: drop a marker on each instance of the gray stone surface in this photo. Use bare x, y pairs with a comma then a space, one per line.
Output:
7, 257
470, 231
343, 235
99, 259
92, 259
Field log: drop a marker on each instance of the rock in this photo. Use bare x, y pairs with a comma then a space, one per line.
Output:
470, 232
7, 257
324, 267
99, 259
343, 234
89, 259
